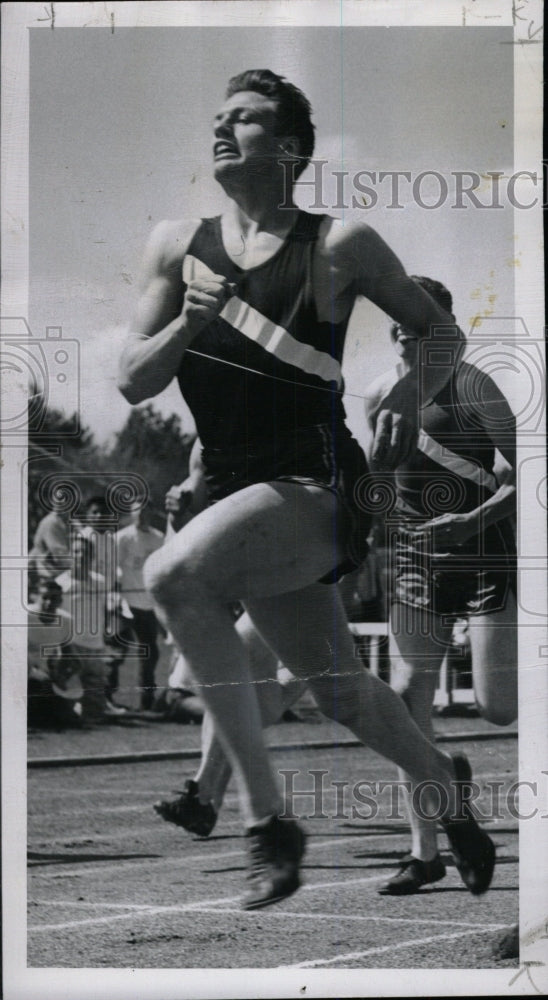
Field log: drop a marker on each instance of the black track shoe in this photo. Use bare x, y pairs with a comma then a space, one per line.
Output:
473, 850
187, 811
412, 875
275, 852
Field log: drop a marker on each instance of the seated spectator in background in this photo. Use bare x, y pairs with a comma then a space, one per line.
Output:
54, 687
84, 600
134, 544
51, 545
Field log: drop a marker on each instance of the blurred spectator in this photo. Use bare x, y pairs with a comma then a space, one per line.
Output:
99, 528
84, 600
134, 544
54, 687
51, 545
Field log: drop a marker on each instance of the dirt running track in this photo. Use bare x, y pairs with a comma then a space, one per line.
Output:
111, 885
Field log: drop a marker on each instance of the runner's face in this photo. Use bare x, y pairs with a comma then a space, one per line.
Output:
406, 344
245, 135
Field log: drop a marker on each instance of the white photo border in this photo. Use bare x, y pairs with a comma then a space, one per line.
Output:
22, 982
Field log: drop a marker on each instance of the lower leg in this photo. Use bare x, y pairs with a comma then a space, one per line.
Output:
214, 772
204, 631
312, 639
274, 698
418, 643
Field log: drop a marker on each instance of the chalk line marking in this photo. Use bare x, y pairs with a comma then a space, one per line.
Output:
350, 956
194, 906
280, 914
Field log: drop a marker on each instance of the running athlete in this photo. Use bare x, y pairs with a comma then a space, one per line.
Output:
249, 311
460, 563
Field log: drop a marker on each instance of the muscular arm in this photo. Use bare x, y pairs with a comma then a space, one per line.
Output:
188, 498
157, 338
168, 316
380, 276
490, 408
361, 263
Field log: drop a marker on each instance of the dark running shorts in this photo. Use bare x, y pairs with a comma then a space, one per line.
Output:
320, 455
471, 579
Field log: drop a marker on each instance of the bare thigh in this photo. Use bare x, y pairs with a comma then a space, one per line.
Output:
266, 539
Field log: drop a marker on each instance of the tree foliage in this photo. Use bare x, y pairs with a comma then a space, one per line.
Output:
154, 446
149, 444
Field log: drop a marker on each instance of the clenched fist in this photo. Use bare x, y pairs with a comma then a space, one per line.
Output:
204, 300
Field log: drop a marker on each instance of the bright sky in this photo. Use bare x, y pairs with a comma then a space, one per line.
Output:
121, 138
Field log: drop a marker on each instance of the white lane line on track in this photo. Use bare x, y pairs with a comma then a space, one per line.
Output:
269, 912
287, 914
150, 911
198, 905
315, 963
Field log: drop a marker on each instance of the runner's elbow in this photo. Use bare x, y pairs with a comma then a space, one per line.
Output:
128, 381
131, 391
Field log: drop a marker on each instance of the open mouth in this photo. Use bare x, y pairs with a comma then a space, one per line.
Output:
406, 338
224, 148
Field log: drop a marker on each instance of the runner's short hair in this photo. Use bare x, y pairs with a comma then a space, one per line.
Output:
294, 114
436, 291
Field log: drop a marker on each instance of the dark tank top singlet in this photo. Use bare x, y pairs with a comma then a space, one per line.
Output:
267, 366
452, 469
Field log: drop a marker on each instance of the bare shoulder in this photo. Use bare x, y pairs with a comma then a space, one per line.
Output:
338, 236
169, 242
361, 258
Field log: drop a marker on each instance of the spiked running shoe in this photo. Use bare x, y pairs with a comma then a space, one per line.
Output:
412, 875
275, 852
187, 811
473, 850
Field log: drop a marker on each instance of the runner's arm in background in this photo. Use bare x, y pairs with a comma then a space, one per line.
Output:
188, 498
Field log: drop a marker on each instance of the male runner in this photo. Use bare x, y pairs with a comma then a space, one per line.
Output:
460, 563
254, 332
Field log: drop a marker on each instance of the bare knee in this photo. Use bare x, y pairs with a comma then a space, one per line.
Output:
168, 581
499, 715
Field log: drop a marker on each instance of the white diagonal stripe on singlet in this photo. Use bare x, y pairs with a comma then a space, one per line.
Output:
455, 463
273, 338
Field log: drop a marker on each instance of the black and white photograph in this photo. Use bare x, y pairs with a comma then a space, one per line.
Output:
274, 558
